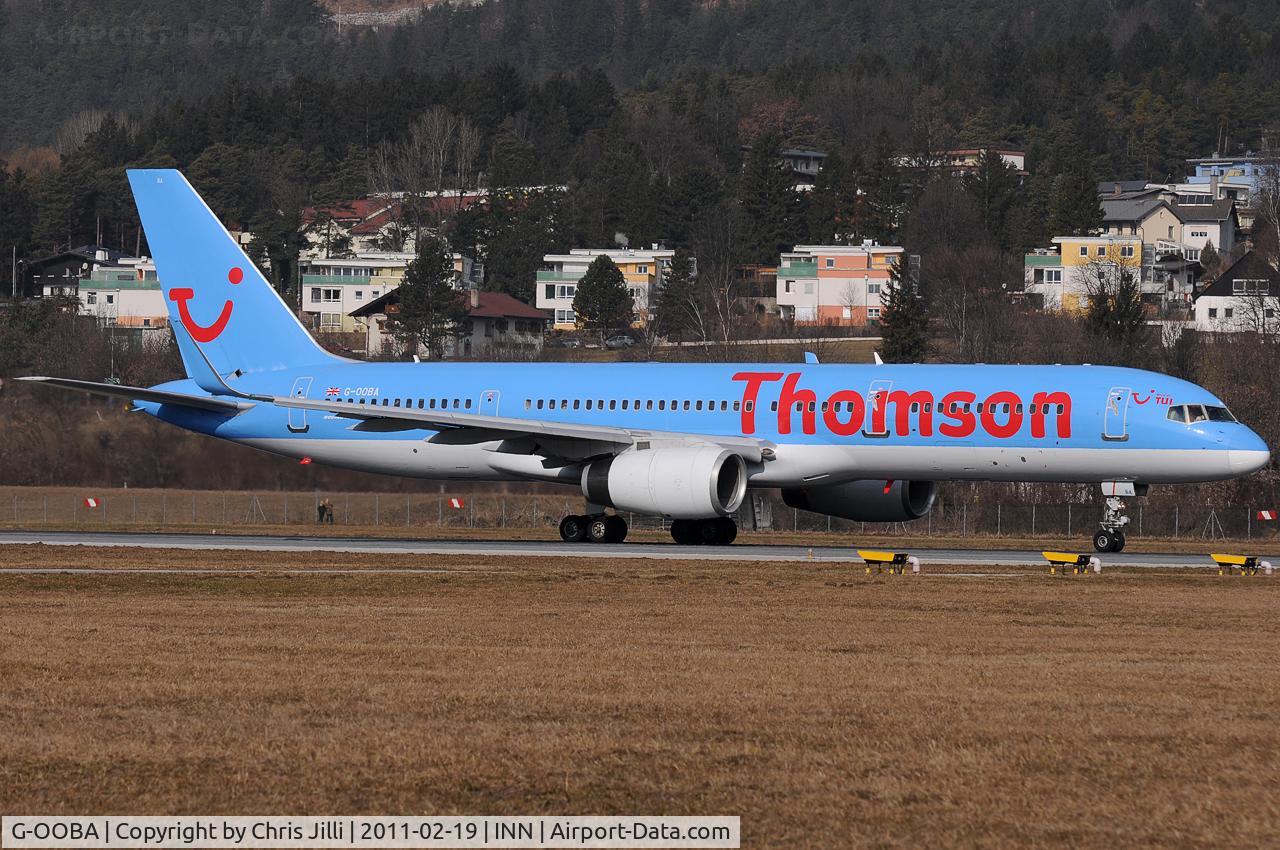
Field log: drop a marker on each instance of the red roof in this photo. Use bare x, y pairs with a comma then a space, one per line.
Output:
499, 305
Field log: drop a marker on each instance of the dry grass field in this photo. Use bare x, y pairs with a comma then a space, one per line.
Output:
826, 707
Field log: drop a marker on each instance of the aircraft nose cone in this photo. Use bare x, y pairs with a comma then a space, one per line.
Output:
1247, 453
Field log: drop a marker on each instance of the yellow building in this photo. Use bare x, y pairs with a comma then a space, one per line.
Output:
557, 282
1064, 278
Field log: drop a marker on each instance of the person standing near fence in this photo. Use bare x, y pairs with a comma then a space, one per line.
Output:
327, 504
320, 510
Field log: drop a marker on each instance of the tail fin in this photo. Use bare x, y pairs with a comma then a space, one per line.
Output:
219, 303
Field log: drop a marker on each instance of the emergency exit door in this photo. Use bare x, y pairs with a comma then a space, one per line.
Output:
1115, 421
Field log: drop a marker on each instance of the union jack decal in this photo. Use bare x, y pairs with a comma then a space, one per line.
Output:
333, 391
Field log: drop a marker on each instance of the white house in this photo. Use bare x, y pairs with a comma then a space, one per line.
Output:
557, 283
1244, 298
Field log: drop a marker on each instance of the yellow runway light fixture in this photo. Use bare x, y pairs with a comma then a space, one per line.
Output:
895, 563
1078, 564
1248, 565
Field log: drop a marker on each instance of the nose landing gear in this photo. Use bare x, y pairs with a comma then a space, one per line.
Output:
1111, 537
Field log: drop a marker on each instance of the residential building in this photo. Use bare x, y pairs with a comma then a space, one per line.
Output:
332, 289
967, 160
374, 223
496, 323
60, 273
1244, 298
1062, 278
834, 284
1243, 170
804, 165
127, 296
557, 282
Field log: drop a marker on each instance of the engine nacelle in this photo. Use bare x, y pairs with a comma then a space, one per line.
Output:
681, 483
866, 501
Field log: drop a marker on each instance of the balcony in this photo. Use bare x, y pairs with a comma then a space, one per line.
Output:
564, 277
798, 270
334, 280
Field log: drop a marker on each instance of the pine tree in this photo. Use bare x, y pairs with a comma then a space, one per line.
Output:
669, 309
430, 309
904, 317
1074, 209
994, 187
767, 203
602, 301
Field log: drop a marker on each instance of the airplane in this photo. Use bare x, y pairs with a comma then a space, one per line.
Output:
680, 441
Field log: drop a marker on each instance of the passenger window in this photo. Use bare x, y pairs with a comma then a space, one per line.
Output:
624, 404
915, 407
468, 404
750, 406
686, 404
1017, 408
662, 404
588, 404
422, 403
1062, 408
576, 403
613, 404
773, 406
648, 405
724, 405
539, 404
528, 404
599, 404
698, 406
397, 404
737, 405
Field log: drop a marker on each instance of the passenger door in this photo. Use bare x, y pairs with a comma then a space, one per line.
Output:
298, 416
1115, 424
879, 389
489, 402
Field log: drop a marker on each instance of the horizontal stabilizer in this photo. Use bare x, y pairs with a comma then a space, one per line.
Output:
198, 402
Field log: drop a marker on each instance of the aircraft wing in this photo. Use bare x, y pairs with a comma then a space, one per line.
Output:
198, 402
441, 420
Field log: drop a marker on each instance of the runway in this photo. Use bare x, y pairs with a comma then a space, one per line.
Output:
556, 549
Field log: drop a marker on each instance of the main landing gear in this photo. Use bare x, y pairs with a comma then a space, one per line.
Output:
595, 528
720, 531
1111, 537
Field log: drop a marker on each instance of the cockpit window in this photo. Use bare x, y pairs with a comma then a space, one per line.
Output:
1192, 413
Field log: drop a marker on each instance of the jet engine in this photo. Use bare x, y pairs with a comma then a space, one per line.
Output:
681, 483
866, 501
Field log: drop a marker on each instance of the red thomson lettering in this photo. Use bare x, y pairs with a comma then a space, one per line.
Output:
965, 421
1039, 404
902, 413
750, 393
1012, 424
858, 410
788, 397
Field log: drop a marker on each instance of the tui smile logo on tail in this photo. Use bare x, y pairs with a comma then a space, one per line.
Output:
202, 333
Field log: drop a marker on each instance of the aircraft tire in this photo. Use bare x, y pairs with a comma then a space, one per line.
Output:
1117, 545
728, 530
1103, 541
682, 532
617, 529
599, 528
573, 529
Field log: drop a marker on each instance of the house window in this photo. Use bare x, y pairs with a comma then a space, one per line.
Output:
1101, 251
1228, 312
873, 312
566, 290
1084, 250
565, 317
315, 295
332, 295
550, 291
1126, 250
873, 289
1053, 275
642, 269
1213, 312
831, 262
786, 285
93, 298
146, 322
330, 321
111, 298
359, 294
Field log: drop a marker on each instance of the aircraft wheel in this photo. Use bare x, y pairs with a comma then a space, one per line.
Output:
1117, 545
709, 532
728, 530
1103, 541
573, 529
598, 528
617, 529
682, 532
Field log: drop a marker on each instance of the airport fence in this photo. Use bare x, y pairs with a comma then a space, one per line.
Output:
28, 507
